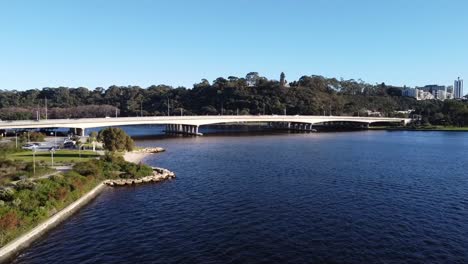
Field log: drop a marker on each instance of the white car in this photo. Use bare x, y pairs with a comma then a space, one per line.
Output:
69, 140
29, 146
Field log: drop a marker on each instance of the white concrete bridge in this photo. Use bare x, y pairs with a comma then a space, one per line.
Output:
190, 124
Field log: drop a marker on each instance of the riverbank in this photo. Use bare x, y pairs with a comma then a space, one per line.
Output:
138, 155
8, 251
428, 128
12, 248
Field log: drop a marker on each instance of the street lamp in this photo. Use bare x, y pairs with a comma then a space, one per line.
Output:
34, 161
55, 137
52, 150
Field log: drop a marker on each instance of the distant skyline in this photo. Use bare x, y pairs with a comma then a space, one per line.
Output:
103, 43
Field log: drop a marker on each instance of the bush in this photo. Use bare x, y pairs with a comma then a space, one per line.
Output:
114, 158
32, 136
25, 185
88, 168
6, 194
9, 221
132, 170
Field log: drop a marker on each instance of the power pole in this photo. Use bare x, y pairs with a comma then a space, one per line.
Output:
141, 108
168, 107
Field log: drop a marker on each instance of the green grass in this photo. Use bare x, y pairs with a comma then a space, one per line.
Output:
60, 156
422, 128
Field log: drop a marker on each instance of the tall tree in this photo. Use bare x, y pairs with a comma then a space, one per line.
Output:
282, 79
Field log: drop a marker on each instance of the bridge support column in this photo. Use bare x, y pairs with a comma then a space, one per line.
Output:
182, 129
80, 131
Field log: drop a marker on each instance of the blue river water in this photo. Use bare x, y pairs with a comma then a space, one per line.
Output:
354, 197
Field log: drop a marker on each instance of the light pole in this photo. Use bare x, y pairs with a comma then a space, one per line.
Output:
34, 161
79, 149
55, 137
52, 150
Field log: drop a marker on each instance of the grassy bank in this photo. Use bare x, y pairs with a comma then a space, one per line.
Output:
60, 156
27, 203
422, 128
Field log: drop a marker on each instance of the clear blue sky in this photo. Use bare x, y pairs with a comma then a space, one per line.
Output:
102, 42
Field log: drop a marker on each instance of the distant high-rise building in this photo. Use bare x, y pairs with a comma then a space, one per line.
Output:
438, 91
458, 88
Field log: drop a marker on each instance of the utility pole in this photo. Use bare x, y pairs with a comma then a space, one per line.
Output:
116, 112
237, 111
168, 107
141, 108
16, 138
284, 111
181, 111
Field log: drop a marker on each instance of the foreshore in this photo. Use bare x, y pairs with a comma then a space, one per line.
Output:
10, 250
137, 156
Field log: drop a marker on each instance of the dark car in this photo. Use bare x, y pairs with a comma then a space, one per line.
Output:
69, 145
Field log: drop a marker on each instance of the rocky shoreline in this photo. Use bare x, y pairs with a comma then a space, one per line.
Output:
159, 174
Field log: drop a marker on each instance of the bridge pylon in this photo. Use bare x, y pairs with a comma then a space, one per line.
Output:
182, 129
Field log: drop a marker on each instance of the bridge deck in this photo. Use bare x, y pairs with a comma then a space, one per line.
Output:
84, 123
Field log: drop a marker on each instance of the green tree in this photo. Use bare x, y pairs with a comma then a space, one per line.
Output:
115, 139
282, 79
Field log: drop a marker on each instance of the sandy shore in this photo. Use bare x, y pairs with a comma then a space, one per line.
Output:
135, 157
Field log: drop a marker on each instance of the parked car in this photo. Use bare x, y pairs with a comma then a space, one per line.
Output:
69, 145
54, 148
29, 146
67, 140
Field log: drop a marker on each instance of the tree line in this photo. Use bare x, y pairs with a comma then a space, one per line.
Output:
252, 94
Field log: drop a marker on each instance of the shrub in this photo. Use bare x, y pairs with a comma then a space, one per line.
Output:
7, 194
61, 193
9, 221
25, 184
88, 168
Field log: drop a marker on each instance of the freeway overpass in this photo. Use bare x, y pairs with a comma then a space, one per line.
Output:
190, 124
